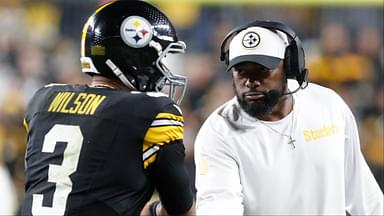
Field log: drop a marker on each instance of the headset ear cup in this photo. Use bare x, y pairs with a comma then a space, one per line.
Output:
292, 62
226, 61
288, 67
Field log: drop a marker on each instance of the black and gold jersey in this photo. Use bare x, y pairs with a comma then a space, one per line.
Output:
99, 151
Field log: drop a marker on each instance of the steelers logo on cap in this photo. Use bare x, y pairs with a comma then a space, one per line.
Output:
136, 31
251, 40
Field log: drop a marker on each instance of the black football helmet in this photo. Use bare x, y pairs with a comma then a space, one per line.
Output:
129, 40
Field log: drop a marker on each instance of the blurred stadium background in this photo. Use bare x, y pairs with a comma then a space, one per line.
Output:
343, 40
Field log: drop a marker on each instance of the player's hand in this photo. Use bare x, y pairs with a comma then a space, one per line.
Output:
151, 209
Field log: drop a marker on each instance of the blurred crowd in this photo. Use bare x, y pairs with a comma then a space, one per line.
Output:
40, 44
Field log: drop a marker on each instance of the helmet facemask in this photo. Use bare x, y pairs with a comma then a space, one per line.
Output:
175, 84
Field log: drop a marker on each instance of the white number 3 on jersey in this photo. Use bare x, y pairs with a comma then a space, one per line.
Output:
59, 174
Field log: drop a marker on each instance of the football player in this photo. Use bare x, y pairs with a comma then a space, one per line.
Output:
103, 148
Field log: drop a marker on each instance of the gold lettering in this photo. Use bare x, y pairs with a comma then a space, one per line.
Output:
93, 105
84, 106
311, 135
62, 102
69, 98
335, 129
73, 103
77, 103
56, 102
307, 136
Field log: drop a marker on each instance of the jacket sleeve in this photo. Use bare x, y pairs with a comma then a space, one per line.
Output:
362, 193
219, 191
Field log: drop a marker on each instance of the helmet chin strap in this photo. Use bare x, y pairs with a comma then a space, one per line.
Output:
119, 74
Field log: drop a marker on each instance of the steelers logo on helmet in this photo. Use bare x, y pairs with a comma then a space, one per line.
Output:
136, 31
251, 40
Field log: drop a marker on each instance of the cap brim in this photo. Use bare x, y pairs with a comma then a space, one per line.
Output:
269, 62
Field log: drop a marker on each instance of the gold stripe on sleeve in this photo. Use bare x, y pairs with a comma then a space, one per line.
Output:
162, 135
170, 116
150, 160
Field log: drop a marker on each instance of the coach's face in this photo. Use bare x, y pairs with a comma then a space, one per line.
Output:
258, 89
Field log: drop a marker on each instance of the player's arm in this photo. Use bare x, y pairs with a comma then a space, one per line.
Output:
219, 190
172, 182
163, 156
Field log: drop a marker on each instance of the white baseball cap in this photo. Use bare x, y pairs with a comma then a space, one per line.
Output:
259, 45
